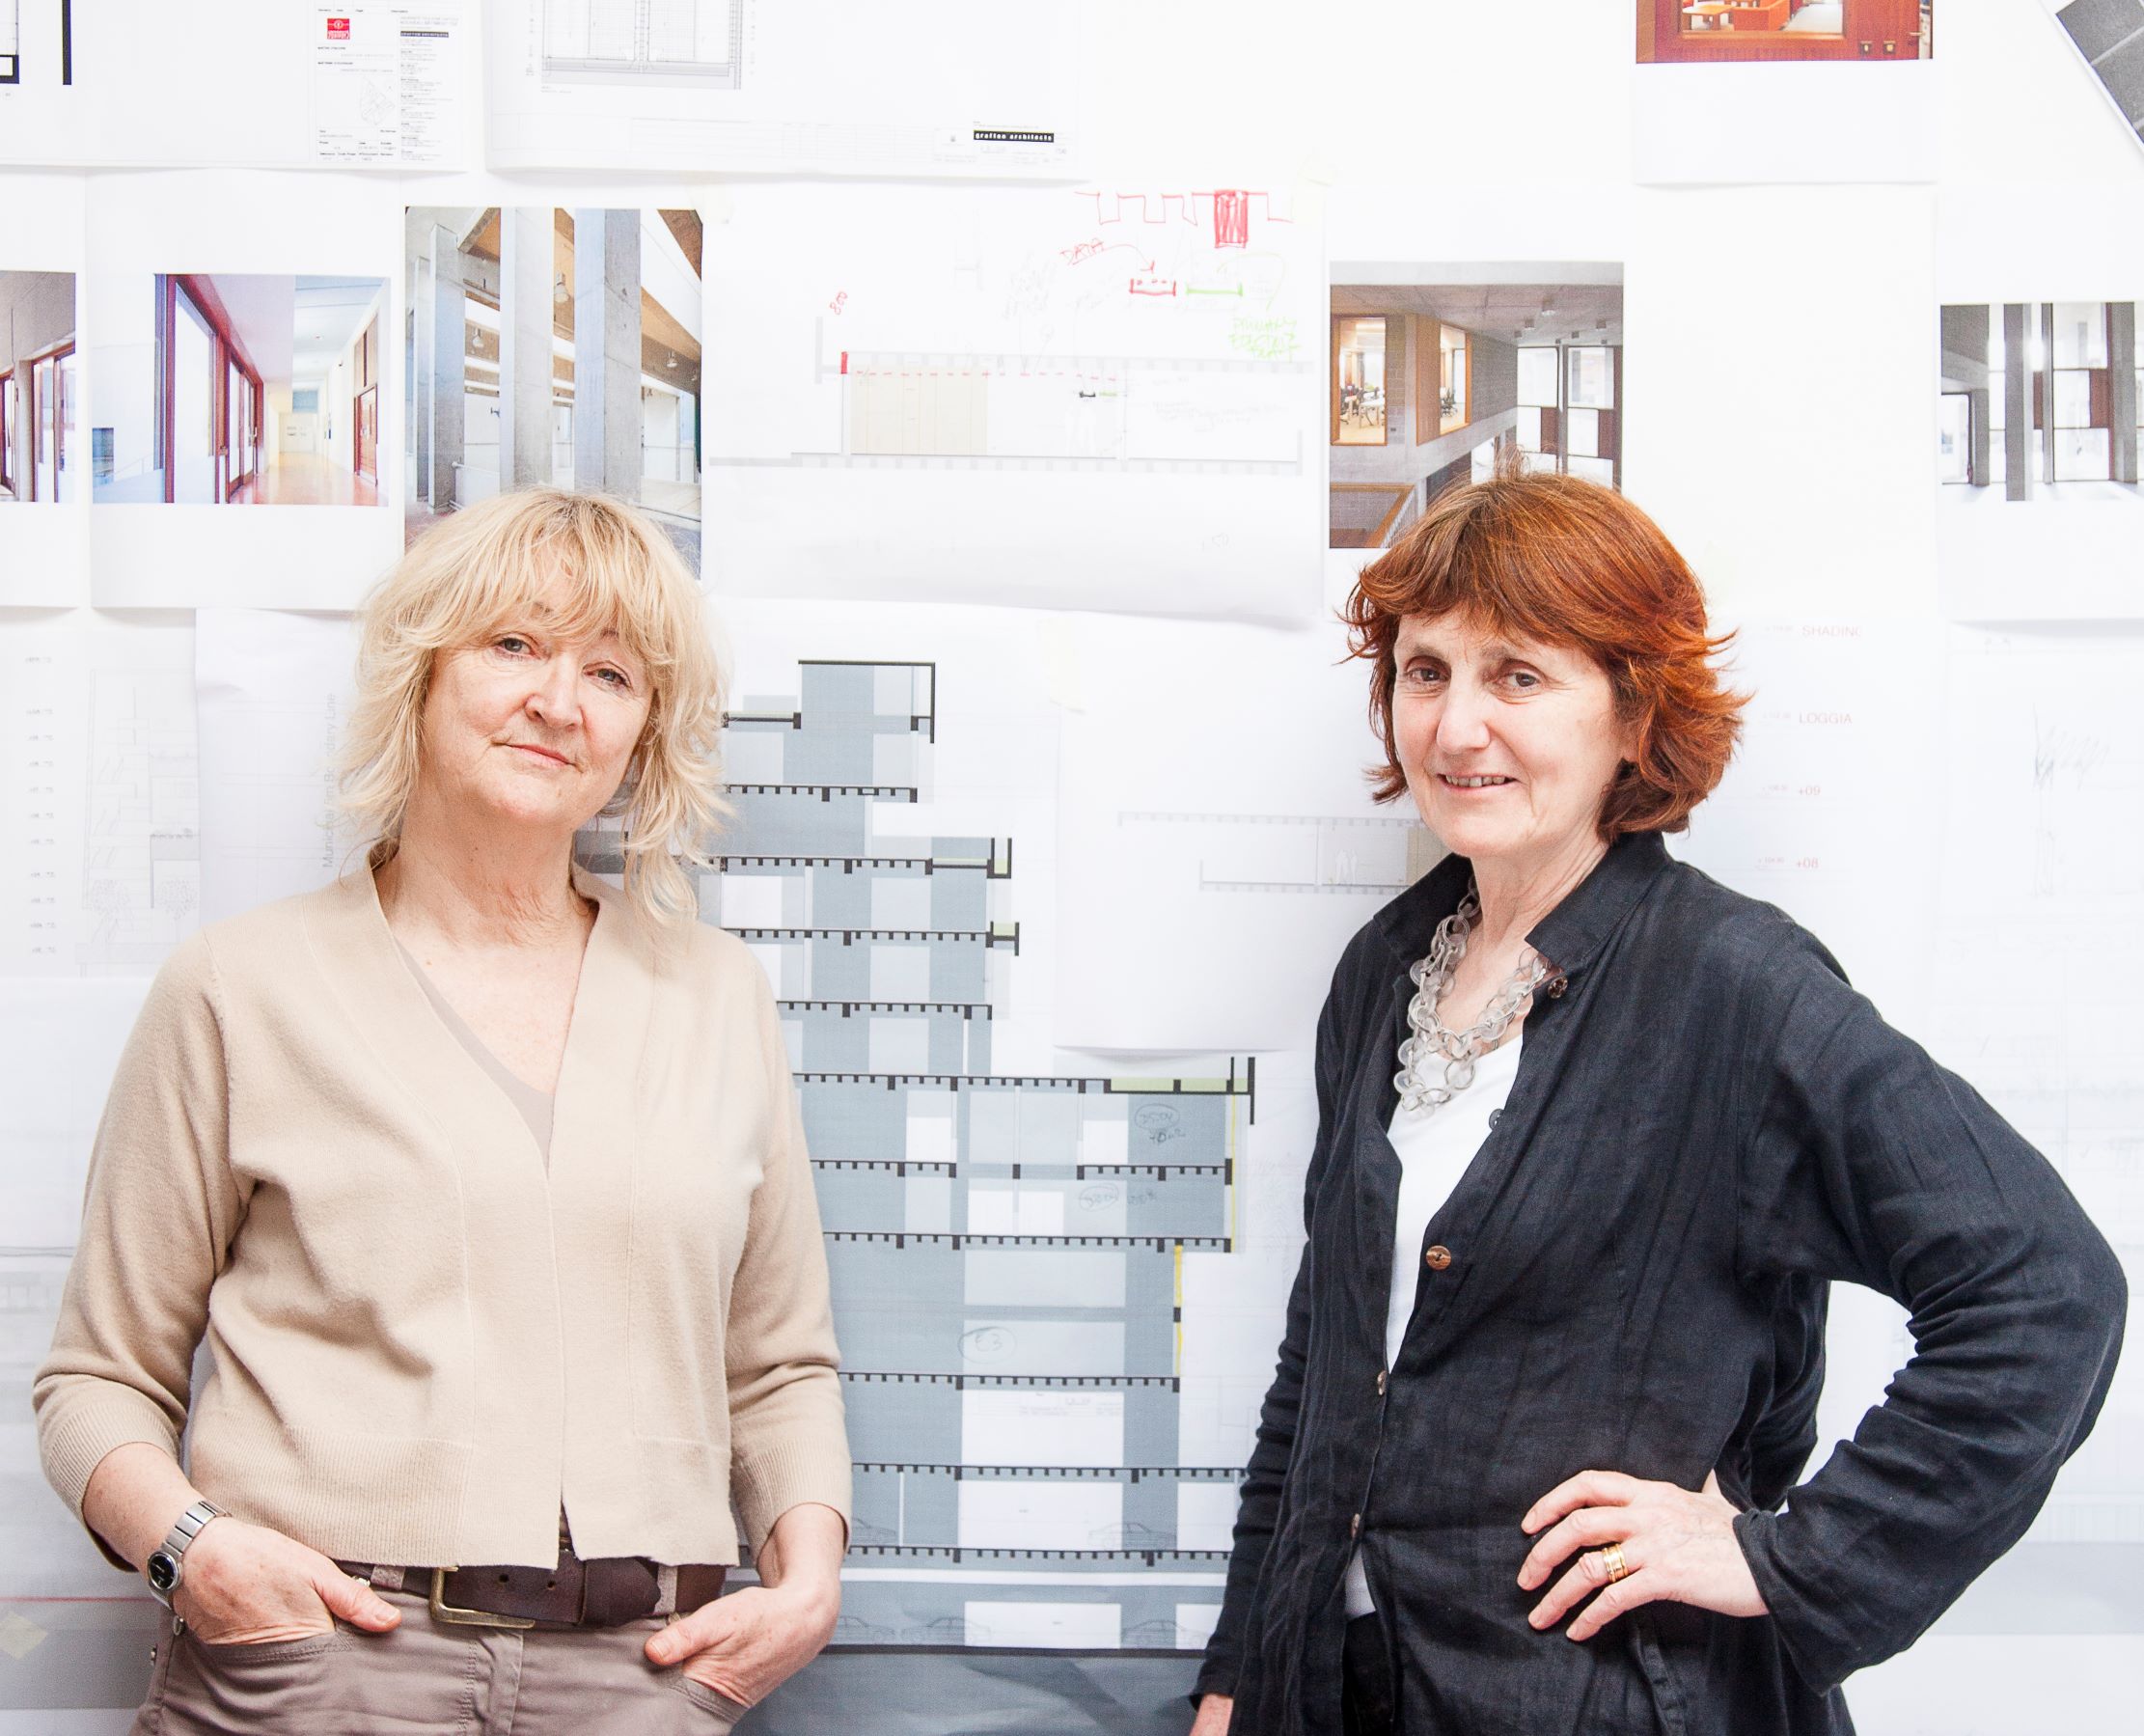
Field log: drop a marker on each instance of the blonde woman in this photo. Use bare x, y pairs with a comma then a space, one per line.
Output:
485, 1184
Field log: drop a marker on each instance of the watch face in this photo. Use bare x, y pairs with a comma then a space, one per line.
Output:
162, 1570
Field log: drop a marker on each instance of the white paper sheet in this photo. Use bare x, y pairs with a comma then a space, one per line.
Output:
300, 265
100, 867
243, 83
1219, 843
1103, 398
949, 87
273, 692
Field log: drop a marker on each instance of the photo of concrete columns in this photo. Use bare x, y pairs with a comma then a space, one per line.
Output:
1785, 30
40, 387
1436, 370
236, 389
2040, 401
554, 346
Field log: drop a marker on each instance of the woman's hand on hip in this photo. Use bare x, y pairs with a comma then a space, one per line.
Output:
1214, 1712
1675, 1547
246, 1584
747, 1644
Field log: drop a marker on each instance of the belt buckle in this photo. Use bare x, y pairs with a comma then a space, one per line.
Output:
443, 1610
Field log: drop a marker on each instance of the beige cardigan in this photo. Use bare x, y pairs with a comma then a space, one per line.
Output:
420, 1345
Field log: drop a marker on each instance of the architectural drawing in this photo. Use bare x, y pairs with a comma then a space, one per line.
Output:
99, 826
635, 40
909, 380
1006, 1246
10, 42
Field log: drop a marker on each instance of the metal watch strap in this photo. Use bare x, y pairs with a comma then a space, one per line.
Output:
184, 1529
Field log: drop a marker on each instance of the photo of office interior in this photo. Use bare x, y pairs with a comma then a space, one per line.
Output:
1790, 30
553, 346
237, 389
2040, 401
1430, 382
39, 384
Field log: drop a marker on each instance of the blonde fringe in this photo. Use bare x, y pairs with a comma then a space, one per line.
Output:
468, 575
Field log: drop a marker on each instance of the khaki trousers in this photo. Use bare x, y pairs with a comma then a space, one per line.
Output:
428, 1678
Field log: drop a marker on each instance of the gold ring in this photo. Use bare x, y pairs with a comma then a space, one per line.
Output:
1611, 1557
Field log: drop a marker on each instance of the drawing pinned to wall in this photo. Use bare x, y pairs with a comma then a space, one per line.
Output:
1091, 399
947, 88
1435, 372
2038, 424
380, 84
555, 346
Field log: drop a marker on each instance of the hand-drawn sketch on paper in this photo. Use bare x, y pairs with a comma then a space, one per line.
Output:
1091, 398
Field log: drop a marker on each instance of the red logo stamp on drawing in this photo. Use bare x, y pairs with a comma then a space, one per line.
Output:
338, 30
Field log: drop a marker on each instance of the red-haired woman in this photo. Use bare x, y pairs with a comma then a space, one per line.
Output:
1553, 1355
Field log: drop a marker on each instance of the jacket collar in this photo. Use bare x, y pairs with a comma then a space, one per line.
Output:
1567, 937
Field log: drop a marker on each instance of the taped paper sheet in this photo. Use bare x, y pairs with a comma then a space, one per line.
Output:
1099, 399
944, 87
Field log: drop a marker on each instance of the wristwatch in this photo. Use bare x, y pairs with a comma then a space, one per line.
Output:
164, 1569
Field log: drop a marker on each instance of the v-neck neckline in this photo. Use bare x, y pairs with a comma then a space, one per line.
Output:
597, 948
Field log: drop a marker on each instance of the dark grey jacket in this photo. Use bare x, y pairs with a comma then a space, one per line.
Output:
1708, 1127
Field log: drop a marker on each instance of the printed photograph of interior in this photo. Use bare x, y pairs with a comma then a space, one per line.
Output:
39, 387
553, 346
1431, 382
2040, 401
236, 389
1717, 30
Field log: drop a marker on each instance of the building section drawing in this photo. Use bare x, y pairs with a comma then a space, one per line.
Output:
634, 41
944, 88
1130, 367
101, 867
1007, 1226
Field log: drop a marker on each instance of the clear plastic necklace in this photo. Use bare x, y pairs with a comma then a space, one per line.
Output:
1434, 1062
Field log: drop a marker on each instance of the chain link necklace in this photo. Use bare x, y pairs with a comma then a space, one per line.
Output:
1420, 1083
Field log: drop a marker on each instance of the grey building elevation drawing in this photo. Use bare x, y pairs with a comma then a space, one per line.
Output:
1006, 1250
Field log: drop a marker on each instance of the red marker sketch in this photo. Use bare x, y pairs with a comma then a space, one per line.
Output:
844, 361
1231, 218
1154, 286
839, 301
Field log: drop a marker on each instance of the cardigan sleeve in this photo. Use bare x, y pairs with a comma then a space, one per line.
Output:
788, 1441
159, 1213
1259, 1506
1871, 1163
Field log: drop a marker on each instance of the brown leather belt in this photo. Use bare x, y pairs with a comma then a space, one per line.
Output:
603, 1593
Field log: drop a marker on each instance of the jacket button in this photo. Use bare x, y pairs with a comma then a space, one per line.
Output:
1437, 1257
1354, 1526
1381, 1383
